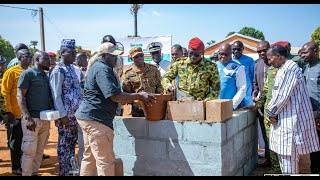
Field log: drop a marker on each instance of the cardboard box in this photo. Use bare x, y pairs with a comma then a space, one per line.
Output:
186, 110
219, 110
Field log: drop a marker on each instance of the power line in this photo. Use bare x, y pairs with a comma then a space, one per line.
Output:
19, 8
53, 24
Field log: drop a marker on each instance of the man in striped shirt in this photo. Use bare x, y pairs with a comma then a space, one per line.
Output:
293, 130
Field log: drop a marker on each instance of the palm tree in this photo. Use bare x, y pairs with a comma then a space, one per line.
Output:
34, 44
134, 11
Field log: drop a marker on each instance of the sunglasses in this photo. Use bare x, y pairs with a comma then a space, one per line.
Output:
236, 49
263, 50
194, 54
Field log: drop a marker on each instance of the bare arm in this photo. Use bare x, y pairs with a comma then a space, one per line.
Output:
31, 125
124, 98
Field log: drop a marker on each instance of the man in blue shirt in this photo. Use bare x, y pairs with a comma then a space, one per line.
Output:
232, 77
248, 63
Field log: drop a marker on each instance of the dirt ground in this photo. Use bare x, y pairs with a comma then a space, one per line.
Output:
49, 167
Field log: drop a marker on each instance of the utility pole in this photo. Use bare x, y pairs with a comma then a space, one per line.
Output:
43, 48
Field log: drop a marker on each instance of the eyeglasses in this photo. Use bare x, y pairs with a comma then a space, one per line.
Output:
138, 56
194, 54
263, 50
236, 49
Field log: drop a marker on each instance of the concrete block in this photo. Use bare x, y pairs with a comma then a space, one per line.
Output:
238, 141
247, 168
252, 116
192, 153
239, 172
203, 132
123, 146
205, 170
130, 127
150, 148
232, 127
218, 110
247, 135
128, 164
212, 153
162, 167
165, 129
186, 110
242, 118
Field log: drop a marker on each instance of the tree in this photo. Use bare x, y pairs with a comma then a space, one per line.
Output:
134, 11
6, 49
32, 47
211, 42
252, 32
79, 47
316, 36
230, 33
34, 44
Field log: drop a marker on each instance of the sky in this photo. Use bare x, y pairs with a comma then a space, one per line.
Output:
88, 23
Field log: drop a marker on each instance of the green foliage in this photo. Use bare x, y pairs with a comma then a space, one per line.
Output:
6, 49
230, 33
316, 36
79, 47
32, 47
252, 32
211, 42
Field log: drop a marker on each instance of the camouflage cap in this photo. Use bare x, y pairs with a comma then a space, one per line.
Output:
135, 51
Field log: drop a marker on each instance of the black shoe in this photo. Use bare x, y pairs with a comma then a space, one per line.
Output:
265, 164
17, 171
45, 156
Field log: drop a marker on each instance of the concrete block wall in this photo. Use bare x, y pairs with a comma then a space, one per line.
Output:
156, 148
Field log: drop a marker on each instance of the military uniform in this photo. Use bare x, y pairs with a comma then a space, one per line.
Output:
263, 102
298, 60
201, 81
135, 81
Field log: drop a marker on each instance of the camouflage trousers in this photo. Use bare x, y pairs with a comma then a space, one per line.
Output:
275, 166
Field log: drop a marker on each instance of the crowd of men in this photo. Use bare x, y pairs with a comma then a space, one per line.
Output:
283, 89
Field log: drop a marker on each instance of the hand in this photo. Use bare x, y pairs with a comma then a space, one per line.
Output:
171, 88
272, 120
11, 118
31, 125
318, 123
65, 122
147, 98
255, 99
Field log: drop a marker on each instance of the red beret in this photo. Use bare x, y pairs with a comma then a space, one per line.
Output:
281, 43
196, 44
52, 54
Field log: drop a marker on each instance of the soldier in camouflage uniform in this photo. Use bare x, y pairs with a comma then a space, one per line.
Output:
141, 77
198, 78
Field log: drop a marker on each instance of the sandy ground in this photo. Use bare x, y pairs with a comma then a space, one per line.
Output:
49, 167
